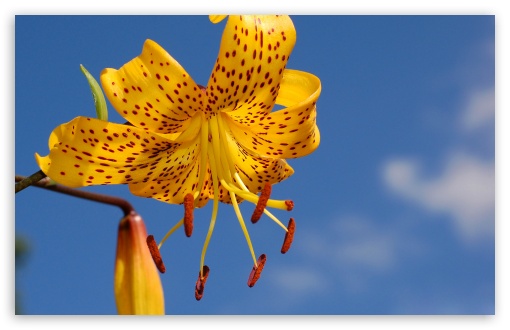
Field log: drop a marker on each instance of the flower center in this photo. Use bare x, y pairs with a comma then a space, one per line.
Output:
216, 147
224, 171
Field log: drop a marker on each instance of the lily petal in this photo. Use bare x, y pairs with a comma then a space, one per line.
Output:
153, 91
174, 188
287, 133
88, 151
170, 191
256, 170
253, 54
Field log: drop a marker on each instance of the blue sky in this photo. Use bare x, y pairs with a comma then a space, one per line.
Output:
395, 210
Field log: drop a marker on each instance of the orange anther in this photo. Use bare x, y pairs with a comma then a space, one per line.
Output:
290, 205
255, 272
189, 205
156, 256
289, 236
199, 286
261, 203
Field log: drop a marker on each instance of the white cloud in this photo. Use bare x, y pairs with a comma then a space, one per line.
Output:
300, 281
353, 250
361, 244
479, 111
465, 189
353, 243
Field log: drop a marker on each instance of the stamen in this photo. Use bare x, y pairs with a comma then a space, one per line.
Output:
253, 198
170, 232
156, 256
200, 285
257, 269
275, 219
204, 132
289, 204
243, 226
261, 204
225, 145
215, 209
189, 205
289, 236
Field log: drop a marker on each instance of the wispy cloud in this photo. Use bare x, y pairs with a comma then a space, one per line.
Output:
354, 249
362, 244
342, 257
353, 242
299, 281
465, 190
479, 111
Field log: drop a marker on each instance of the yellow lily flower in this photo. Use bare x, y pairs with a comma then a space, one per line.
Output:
138, 289
189, 143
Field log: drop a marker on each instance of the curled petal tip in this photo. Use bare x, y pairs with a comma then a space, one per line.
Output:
217, 18
200, 285
289, 236
257, 270
156, 256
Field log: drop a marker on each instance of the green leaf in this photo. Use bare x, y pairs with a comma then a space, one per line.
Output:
97, 93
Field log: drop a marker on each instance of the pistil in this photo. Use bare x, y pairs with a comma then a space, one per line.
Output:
215, 208
200, 285
221, 153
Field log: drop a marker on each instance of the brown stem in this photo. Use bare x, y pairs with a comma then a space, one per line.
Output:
28, 181
126, 207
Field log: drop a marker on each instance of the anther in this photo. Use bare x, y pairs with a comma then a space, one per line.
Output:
255, 272
199, 286
189, 205
156, 256
289, 236
289, 204
261, 203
